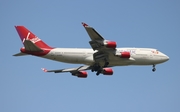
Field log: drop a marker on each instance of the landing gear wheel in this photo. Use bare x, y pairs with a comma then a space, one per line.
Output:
97, 73
154, 69
97, 68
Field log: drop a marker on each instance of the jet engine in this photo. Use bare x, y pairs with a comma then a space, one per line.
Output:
107, 71
124, 54
110, 44
81, 74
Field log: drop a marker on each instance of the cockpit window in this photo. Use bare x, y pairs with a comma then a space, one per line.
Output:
155, 51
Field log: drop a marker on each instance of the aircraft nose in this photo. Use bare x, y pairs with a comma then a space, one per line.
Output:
165, 58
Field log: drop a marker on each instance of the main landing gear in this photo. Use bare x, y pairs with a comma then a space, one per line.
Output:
100, 68
97, 68
98, 72
106, 64
154, 69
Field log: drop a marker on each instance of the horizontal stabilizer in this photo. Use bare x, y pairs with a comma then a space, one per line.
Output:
20, 54
30, 46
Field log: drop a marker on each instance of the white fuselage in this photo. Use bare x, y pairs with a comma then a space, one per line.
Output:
139, 56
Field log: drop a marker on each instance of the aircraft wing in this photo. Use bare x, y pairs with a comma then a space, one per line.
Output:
93, 34
72, 70
97, 41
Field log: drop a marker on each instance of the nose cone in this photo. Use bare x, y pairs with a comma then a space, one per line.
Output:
165, 58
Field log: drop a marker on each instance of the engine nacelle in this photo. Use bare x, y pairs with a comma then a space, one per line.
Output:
110, 44
124, 54
107, 71
81, 74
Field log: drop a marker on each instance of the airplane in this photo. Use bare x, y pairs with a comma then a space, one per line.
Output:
103, 55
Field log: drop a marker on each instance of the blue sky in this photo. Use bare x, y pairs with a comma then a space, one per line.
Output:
147, 23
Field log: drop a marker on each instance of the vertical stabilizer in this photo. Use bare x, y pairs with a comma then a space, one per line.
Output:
28, 38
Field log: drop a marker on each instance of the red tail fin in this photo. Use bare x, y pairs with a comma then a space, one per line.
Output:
25, 34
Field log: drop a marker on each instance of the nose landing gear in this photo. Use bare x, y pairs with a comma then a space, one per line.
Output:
154, 69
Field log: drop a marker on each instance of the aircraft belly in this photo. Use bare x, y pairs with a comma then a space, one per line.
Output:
117, 61
73, 59
146, 61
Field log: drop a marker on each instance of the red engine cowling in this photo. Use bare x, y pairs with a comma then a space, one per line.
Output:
125, 54
82, 74
110, 44
107, 71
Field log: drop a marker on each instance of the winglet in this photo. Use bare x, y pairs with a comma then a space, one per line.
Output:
43, 69
84, 24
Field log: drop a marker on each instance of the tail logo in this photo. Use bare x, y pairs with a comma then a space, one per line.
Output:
34, 39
